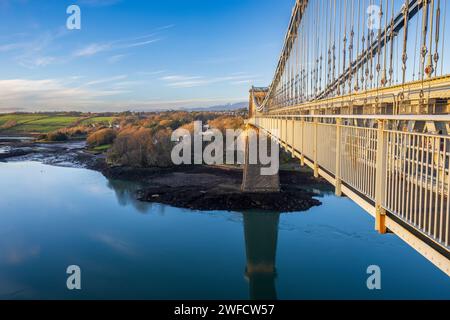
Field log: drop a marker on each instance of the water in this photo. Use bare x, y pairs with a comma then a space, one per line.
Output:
5, 149
12, 138
52, 217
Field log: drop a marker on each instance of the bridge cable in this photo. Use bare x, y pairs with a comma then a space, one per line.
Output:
369, 70
384, 74
416, 51
443, 37
423, 40
344, 51
378, 67
405, 41
357, 45
391, 53
350, 48
322, 46
437, 37
363, 43
430, 67
339, 51
330, 18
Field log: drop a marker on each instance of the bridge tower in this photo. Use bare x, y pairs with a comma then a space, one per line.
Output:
257, 96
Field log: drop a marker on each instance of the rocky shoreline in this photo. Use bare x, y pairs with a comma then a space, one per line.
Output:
217, 188
191, 187
67, 154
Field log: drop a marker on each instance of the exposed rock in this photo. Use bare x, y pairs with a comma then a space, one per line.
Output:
191, 198
212, 188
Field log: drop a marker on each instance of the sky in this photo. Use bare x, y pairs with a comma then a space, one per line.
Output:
136, 54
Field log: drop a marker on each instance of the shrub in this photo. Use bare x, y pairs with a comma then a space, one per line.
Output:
141, 147
57, 136
101, 137
78, 131
227, 122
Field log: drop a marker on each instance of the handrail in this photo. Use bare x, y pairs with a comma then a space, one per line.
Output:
418, 117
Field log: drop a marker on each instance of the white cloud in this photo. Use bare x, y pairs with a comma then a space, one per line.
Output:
106, 80
99, 3
48, 93
248, 82
150, 73
12, 46
181, 81
140, 44
33, 62
116, 58
169, 26
176, 78
92, 49
126, 84
32, 53
60, 95
95, 48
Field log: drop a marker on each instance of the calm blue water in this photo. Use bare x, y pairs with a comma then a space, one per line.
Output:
53, 217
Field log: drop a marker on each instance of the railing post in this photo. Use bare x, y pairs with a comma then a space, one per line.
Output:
380, 223
338, 158
316, 165
282, 131
285, 135
293, 137
302, 157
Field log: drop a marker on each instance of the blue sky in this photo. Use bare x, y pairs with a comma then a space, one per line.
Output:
135, 54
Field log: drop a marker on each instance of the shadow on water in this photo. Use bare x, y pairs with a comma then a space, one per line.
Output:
125, 192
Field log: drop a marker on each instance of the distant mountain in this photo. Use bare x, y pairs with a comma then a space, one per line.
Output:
224, 107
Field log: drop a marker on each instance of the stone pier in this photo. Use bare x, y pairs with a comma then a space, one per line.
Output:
253, 181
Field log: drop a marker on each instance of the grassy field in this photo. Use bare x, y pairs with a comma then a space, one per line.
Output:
45, 125
42, 123
98, 120
22, 118
35, 124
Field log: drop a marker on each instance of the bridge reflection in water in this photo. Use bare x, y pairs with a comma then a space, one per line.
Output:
261, 237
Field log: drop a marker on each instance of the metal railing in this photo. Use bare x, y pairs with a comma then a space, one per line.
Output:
403, 173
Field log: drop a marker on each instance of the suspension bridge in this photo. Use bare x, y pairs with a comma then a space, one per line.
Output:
361, 95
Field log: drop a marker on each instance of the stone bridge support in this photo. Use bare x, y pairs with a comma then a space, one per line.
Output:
254, 181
